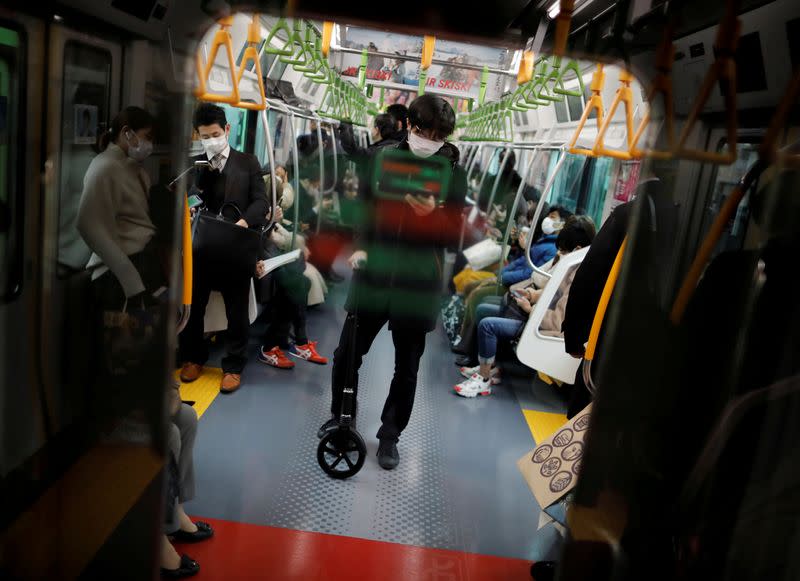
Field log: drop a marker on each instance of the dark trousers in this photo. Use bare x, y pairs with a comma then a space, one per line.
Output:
288, 309
235, 289
358, 334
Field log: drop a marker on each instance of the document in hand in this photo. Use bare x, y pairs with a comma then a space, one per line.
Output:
272, 263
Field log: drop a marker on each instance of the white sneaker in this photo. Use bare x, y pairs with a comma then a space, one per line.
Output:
494, 374
474, 386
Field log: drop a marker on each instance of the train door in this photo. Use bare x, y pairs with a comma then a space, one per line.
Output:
84, 95
21, 425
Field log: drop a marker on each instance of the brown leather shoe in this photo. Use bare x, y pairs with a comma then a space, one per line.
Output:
190, 372
230, 382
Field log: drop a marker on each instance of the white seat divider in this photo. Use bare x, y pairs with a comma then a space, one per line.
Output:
542, 352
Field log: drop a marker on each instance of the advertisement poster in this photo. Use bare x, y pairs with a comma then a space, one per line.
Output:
85, 124
397, 73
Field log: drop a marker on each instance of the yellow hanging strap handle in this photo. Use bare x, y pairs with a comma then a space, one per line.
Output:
605, 299
662, 85
563, 22
624, 95
327, 36
221, 38
595, 103
526, 63
251, 54
723, 71
188, 272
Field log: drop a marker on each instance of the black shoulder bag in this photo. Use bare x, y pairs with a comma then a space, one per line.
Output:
222, 244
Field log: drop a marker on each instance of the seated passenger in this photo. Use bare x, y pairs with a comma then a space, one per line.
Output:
287, 303
506, 323
542, 250
180, 488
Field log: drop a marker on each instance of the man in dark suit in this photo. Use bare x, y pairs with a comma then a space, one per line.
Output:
233, 179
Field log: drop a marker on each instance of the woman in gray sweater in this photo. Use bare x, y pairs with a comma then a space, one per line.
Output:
114, 214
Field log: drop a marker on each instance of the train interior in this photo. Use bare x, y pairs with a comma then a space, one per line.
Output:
686, 113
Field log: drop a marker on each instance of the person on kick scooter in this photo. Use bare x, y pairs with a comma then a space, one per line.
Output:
398, 275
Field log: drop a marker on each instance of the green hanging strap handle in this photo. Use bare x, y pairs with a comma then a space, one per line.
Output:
484, 82
287, 49
423, 79
574, 67
362, 69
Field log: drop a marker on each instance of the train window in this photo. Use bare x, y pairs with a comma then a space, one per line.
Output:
11, 160
567, 186
597, 188
561, 112
725, 180
85, 103
575, 105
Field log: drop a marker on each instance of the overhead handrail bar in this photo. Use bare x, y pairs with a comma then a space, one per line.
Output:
623, 95
222, 37
539, 207
595, 103
723, 71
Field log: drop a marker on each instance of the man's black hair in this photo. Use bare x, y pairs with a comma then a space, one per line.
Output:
209, 114
562, 211
578, 230
399, 113
384, 123
433, 113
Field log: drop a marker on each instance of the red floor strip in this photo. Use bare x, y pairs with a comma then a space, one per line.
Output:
245, 551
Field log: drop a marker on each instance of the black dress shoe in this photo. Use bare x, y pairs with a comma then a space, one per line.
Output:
388, 456
465, 361
203, 532
187, 568
543, 571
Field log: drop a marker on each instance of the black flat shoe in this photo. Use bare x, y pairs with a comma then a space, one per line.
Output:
187, 568
543, 571
203, 532
388, 456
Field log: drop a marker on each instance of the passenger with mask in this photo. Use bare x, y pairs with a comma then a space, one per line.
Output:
542, 250
114, 214
398, 276
233, 180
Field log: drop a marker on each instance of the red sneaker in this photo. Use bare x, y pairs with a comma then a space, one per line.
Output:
309, 353
275, 357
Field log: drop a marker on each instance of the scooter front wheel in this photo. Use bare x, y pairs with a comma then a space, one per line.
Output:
341, 453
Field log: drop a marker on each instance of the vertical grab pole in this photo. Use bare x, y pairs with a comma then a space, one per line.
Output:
271, 157
321, 171
499, 175
295, 179
513, 210
539, 206
188, 268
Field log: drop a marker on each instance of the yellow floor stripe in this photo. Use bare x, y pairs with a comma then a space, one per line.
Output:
543, 424
202, 391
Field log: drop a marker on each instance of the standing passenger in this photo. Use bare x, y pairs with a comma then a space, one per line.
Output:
400, 284
234, 178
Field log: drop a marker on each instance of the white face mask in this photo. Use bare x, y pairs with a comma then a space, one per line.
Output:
550, 226
141, 150
422, 146
215, 145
